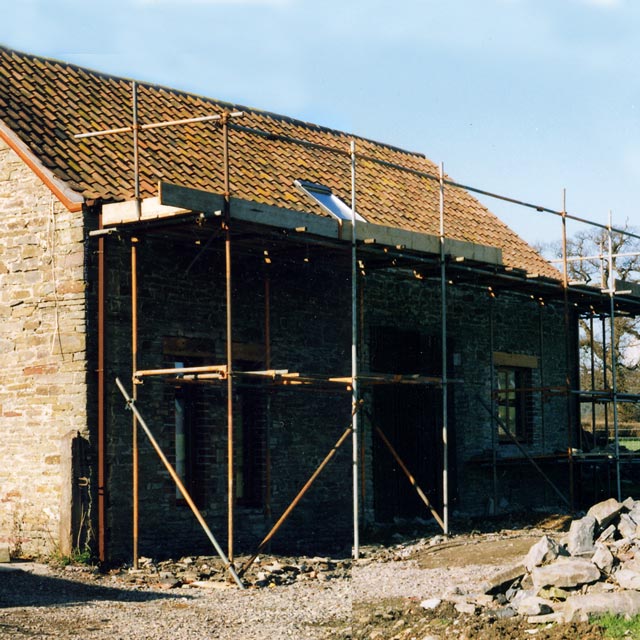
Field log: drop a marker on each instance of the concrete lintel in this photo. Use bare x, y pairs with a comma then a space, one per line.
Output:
123, 212
175, 199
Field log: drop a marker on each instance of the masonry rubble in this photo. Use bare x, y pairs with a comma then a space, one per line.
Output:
206, 572
591, 570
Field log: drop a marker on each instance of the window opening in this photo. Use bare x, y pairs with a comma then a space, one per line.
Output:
323, 196
511, 401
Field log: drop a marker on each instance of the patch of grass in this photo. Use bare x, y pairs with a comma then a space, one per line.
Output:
77, 557
619, 627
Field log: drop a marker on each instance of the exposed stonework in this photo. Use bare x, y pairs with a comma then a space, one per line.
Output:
43, 393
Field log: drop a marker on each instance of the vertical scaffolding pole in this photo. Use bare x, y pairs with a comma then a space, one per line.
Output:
542, 377
614, 363
494, 424
354, 361
134, 420
445, 394
565, 286
267, 362
227, 253
592, 360
136, 154
102, 520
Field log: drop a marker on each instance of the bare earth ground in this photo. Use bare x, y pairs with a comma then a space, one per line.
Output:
377, 599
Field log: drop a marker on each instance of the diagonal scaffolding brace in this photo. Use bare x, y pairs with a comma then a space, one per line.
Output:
185, 494
523, 451
410, 477
287, 512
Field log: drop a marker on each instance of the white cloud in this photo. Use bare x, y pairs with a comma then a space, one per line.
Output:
237, 3
605, 4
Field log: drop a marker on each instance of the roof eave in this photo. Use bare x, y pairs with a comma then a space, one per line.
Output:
71, 199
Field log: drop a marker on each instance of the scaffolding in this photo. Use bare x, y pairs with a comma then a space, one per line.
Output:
184, 206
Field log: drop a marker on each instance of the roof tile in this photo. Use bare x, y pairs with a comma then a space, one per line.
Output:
46, 103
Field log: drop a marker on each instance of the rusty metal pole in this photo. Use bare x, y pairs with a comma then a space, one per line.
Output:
542, 376
410, 477
296, 500
494, 426
594, 427
227, 253
614, 360
445, 389
102, 547
134, 367
355, 458
176, 478
267, 362
136, 149
567, 350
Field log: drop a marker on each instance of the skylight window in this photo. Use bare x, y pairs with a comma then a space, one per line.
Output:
327, 200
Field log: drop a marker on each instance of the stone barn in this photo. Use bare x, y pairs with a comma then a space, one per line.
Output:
208, 256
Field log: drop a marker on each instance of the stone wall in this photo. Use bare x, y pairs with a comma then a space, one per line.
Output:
181, 295
43, 356
182, 299
478, 324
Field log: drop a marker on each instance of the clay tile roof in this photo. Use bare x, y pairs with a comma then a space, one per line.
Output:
46, 102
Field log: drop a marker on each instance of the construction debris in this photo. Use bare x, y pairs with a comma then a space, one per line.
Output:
592, 570
205, 572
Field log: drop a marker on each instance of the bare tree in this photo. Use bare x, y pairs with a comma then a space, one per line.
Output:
593, 268
596, 363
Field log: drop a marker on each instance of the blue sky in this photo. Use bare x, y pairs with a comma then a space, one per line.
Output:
520, 97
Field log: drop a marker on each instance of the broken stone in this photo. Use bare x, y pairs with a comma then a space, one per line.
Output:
501, 614
604, 512
545, 550
606, 534
635, 512
5, 556
628, 579
548, 618
170, 583
533, 606
483, 600
621, 603
565, 572
554, 593
465, 607
627, 526
501, 581
601, 587
580, 539
629, 503
603, 558
430, 603
512, 590
633, 564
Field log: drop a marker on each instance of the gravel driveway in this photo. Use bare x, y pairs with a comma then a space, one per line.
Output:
312, 601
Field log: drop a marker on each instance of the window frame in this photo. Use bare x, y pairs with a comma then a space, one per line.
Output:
328, 201
513, 403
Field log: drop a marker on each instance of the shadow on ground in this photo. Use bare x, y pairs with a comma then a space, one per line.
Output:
21, 587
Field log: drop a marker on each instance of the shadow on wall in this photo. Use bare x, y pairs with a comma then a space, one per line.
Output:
23, 587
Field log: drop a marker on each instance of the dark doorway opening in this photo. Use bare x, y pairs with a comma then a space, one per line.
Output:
410, 415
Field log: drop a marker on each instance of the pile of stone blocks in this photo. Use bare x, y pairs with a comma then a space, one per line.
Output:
594, 569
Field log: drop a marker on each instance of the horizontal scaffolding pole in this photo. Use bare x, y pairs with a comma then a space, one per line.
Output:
218, 368
157, 125
286, 377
